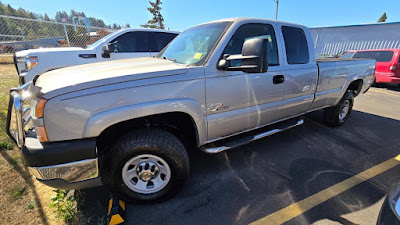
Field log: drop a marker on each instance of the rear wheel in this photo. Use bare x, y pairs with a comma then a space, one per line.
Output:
145, 165
337, 115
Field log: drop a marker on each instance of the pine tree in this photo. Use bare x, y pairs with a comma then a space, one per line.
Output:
157, 21
46, 17
383, 18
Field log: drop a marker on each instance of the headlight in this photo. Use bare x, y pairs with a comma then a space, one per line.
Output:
30, 62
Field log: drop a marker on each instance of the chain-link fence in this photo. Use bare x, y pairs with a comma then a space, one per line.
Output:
18, 34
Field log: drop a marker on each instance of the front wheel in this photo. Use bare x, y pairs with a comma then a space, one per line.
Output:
337, 115
145, 165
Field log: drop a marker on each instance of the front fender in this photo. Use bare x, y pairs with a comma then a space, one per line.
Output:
101, 121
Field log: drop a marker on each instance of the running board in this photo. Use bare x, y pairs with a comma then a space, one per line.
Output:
248, 139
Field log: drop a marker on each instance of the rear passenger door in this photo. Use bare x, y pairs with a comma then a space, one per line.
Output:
158, 40
301, 71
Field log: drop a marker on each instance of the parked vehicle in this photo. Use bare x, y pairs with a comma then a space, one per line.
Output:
390, 211
387, 63
346, 55
122, 44
219, 85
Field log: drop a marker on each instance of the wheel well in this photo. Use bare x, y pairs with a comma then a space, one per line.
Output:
355, 87
178, 123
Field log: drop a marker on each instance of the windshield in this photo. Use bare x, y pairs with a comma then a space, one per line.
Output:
101, 40
194, 45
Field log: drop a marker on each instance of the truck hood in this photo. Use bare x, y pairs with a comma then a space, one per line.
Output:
92, 75
46, 50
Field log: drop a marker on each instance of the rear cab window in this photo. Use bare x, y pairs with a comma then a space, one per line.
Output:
379, 56
296, 45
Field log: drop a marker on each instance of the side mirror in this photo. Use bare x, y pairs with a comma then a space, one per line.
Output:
107, 49
254, 57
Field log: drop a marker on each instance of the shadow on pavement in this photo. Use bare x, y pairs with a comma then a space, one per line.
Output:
245, 184
392, 87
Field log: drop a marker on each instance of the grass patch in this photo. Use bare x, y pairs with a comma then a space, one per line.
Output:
31, 205
6, 145
18, 191
8, 79
6, 59
23, 200
65, 203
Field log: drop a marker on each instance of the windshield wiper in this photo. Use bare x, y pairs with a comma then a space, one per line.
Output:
172, 60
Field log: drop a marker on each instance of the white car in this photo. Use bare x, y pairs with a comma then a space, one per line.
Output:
121, 44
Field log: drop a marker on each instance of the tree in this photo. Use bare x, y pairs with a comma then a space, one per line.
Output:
157, 21
46, 17
383, 18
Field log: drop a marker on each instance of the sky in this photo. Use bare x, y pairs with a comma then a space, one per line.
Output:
182, 14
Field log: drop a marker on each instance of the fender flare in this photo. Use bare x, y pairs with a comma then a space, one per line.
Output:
347, 85
98, 122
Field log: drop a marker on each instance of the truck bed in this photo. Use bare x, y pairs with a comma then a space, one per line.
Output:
338, 59
335, 74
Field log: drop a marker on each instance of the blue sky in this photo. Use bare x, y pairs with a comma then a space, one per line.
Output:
182, 14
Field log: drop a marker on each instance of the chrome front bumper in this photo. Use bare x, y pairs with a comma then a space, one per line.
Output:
19, 120
68, 172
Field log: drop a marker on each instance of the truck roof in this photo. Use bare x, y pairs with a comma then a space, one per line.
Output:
149, 29
251, 19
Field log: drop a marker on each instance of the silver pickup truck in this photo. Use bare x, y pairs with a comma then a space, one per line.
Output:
129, 123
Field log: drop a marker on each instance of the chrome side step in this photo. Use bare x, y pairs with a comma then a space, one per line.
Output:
248, 139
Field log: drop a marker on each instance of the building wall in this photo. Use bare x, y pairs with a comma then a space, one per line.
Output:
333, 40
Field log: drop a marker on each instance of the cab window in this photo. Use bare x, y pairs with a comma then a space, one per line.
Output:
249, 31
131, 42
158, 40
296, 45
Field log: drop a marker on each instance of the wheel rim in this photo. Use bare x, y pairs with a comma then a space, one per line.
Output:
344, 110
146, 174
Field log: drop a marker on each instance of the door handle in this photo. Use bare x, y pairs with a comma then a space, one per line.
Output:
278, 79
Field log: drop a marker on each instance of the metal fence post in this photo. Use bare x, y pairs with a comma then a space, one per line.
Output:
66, 35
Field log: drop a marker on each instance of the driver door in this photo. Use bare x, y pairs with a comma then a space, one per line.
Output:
238, 101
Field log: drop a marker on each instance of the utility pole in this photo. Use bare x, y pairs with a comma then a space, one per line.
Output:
276, 13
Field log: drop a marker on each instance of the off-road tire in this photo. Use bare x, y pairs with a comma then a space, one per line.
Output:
331, 114
152, 141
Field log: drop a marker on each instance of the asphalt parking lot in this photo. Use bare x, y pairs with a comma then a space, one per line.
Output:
255, 183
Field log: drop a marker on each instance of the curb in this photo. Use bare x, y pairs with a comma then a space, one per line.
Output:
116, 211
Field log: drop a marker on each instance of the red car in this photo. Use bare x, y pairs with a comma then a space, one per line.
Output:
387, 63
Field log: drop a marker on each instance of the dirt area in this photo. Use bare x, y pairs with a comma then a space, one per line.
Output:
23, 200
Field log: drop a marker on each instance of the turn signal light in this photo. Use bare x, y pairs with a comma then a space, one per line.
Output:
40, 107
42, 134
31, 62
